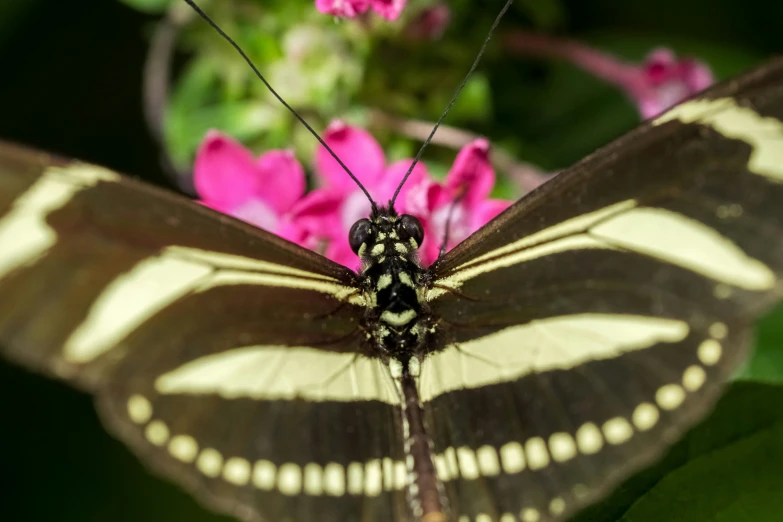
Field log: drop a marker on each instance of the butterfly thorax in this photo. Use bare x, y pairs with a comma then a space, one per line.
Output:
397, 319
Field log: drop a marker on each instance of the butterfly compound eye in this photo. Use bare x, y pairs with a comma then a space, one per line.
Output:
358, 234
410, 227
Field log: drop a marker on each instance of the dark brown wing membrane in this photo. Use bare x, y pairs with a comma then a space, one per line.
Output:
669, 162
65, 241
676, 225
196, 333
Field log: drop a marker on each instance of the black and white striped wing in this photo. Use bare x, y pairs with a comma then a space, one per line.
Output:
226, 357
588, 326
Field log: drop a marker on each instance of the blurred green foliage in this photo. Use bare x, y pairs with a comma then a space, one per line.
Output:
71, 83
325, 68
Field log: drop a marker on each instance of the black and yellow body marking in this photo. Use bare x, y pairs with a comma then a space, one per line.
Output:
399, 329
391, 278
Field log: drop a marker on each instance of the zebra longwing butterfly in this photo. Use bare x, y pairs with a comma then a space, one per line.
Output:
519, 378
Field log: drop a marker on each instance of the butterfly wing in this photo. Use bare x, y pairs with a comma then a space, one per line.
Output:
225, 356
584, 329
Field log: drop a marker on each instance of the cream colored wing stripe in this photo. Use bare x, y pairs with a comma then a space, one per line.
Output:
668, 236
685, 242
542, 345
157, 282
283, 373
150, 286
370, 478
656, 232
764, 134
536, 453
567, 228
24, 233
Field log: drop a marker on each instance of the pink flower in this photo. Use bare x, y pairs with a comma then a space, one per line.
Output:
269, 192
429, 23
260, 191
342, 8
658, 83
460, 203
388, 9
665, 81
327, 213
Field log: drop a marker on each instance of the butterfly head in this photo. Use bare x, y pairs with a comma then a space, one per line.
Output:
386, 234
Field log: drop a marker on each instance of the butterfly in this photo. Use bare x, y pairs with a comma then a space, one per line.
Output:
525, 373
520, 377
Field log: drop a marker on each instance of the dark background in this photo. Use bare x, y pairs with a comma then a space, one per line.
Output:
70, 77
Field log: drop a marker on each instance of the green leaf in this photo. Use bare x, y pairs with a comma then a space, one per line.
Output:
11, 14
149, 6
766, 365
474, 103
195, 108
244, 121
545, 14
726, 469
739, 480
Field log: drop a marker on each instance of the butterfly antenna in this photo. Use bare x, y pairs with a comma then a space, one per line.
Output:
453, 99
307, 126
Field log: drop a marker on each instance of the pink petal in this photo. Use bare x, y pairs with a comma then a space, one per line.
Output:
318, 213
216, 206
224, 173
340, 251
422, 197
698, 76
258, 213
346, 8
354, 207
486, 211
440, 204
283, 179
360, 152
430, 249
288, 229
659, 66
464, 221
391, 179
420, 201
668, 81
389, 9
467, 185
460, 225
471, 177
429, 23
655, 104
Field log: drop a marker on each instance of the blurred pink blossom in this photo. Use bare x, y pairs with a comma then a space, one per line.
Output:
269, 191
460, 203
429, 23
665, 81
659, 82
388, 9
342, 8
329, 212
259, 191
